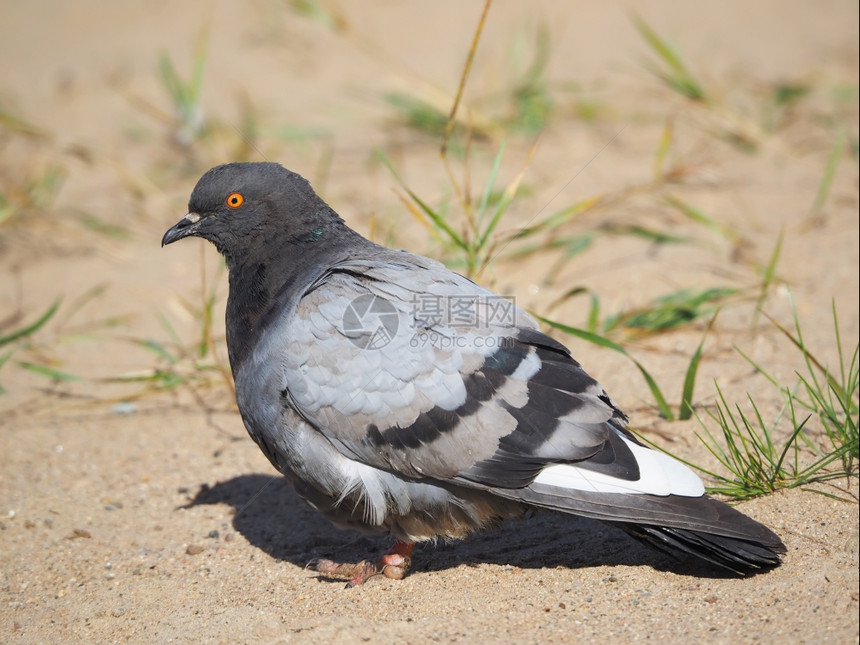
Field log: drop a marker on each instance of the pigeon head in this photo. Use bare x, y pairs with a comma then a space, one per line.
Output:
240, 207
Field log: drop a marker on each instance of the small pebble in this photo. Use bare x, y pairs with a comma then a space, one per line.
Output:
124, 408
79, 533
194, 549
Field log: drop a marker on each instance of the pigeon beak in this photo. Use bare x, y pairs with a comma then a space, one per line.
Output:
182, 228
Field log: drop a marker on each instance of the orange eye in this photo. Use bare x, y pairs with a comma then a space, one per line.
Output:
235, 200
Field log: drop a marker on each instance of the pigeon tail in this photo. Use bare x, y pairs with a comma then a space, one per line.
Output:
699, 526
740, 556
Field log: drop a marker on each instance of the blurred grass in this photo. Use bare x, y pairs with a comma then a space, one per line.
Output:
186, 95
531, 97
190, 365
829, 174
472, 240
34, 192
671, 69
318, 12
11, 341
419, 114
525, 107
671, 311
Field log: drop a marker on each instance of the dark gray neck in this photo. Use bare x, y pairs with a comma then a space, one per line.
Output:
268, 282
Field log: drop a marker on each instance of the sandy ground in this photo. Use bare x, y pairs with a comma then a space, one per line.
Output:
133, 516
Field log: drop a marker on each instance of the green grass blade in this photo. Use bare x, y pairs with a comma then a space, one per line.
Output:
50, 372
672, 310
686, 410
5, 357
679, 78
594, 313
491, 182
32, 327
19, 125
769, 274
508, 197
650, 235
838, 340
659, 399
195, 85
572, 245
439, 221
808, 357
558, 218
165, 323
159, 350
758, 368
501, 208
829, 173
316, 11
418, 114
666, 140
699, 216
432, 215
590, 337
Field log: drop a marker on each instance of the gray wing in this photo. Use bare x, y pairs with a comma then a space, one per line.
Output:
443, 379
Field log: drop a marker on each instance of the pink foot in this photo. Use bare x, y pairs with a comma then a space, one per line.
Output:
394, 564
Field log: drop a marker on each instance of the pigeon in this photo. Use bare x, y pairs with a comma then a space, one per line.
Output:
399, 397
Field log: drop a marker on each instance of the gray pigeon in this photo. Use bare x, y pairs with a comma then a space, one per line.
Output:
400, 397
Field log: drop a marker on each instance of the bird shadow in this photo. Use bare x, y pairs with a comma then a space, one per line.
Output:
272, 517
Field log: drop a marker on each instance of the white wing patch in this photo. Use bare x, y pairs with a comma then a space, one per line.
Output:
659, 474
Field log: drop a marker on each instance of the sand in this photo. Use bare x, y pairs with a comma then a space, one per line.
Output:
134, 515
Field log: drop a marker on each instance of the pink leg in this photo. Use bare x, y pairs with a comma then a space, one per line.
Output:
394, 564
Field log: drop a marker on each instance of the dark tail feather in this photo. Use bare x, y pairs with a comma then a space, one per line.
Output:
700, 526
742, 557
